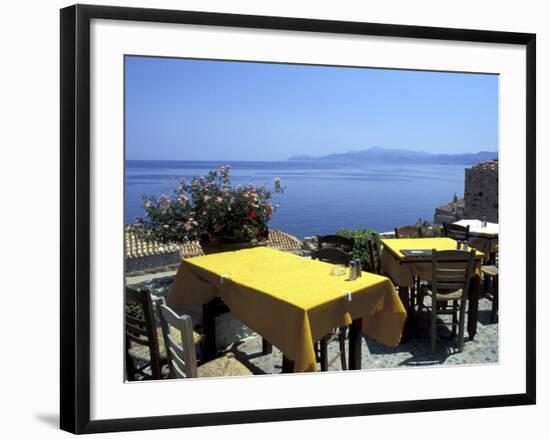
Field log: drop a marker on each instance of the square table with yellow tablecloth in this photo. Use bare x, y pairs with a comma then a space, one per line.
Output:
290, 300
402, 269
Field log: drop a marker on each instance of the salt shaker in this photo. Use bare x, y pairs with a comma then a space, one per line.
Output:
352, 273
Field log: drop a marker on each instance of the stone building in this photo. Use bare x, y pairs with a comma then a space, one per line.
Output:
480, 196
481, 191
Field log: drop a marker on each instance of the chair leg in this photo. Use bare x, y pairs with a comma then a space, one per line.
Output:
494, 310
267, 347
418, 292
130, 369
412, 296
288, 365
433, 333
420, 300
455, 318
155, 367
461, 319
342, 343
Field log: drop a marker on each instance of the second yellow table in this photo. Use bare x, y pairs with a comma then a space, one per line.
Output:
402, 269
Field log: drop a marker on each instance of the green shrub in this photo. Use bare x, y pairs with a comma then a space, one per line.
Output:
360, 248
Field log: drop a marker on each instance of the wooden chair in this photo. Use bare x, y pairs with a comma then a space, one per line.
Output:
144, 337
408, 232
490, 287
142, 344
457, 232
374, 256
336, 241
433, 231
451, 273
180, 349
334, 256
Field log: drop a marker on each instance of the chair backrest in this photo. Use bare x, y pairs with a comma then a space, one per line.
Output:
408, 232
455, 231
182, 358
374, 256
333, 255
346, 244
140, 326
452, 270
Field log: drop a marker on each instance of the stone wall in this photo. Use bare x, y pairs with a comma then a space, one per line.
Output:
481, 191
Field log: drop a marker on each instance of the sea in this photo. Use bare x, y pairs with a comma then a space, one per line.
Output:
320, 197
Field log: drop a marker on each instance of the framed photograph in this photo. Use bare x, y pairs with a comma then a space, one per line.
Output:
275, 218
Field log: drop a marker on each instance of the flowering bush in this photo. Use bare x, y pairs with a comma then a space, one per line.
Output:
209, 209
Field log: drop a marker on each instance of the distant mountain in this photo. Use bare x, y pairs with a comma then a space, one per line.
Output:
402, 156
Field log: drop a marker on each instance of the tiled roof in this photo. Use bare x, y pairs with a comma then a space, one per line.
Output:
283, 241
136, 247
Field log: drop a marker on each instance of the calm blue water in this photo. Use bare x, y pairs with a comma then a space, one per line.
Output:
320, 198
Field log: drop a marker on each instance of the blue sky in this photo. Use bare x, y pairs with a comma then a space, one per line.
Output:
179, 109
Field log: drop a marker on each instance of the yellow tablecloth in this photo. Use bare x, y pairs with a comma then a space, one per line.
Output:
289, 300
401, 269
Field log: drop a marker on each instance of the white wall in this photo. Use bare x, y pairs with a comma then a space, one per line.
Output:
30, 203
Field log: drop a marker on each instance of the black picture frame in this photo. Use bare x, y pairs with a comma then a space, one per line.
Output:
75, 217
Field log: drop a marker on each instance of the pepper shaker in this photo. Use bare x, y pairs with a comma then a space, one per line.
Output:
358, 268
352, 273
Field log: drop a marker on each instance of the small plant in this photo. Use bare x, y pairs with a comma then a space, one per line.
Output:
360, 247
209, 208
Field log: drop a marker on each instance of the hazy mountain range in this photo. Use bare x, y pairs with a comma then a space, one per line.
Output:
401, 156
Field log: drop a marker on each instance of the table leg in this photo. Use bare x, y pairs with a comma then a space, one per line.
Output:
209, 328
288, 365
355, 339
267, 348
323, 354
473, 304
413, 294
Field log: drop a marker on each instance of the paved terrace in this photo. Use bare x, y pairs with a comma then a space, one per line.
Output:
234, 336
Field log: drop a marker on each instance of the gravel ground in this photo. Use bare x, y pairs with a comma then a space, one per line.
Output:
234, 336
